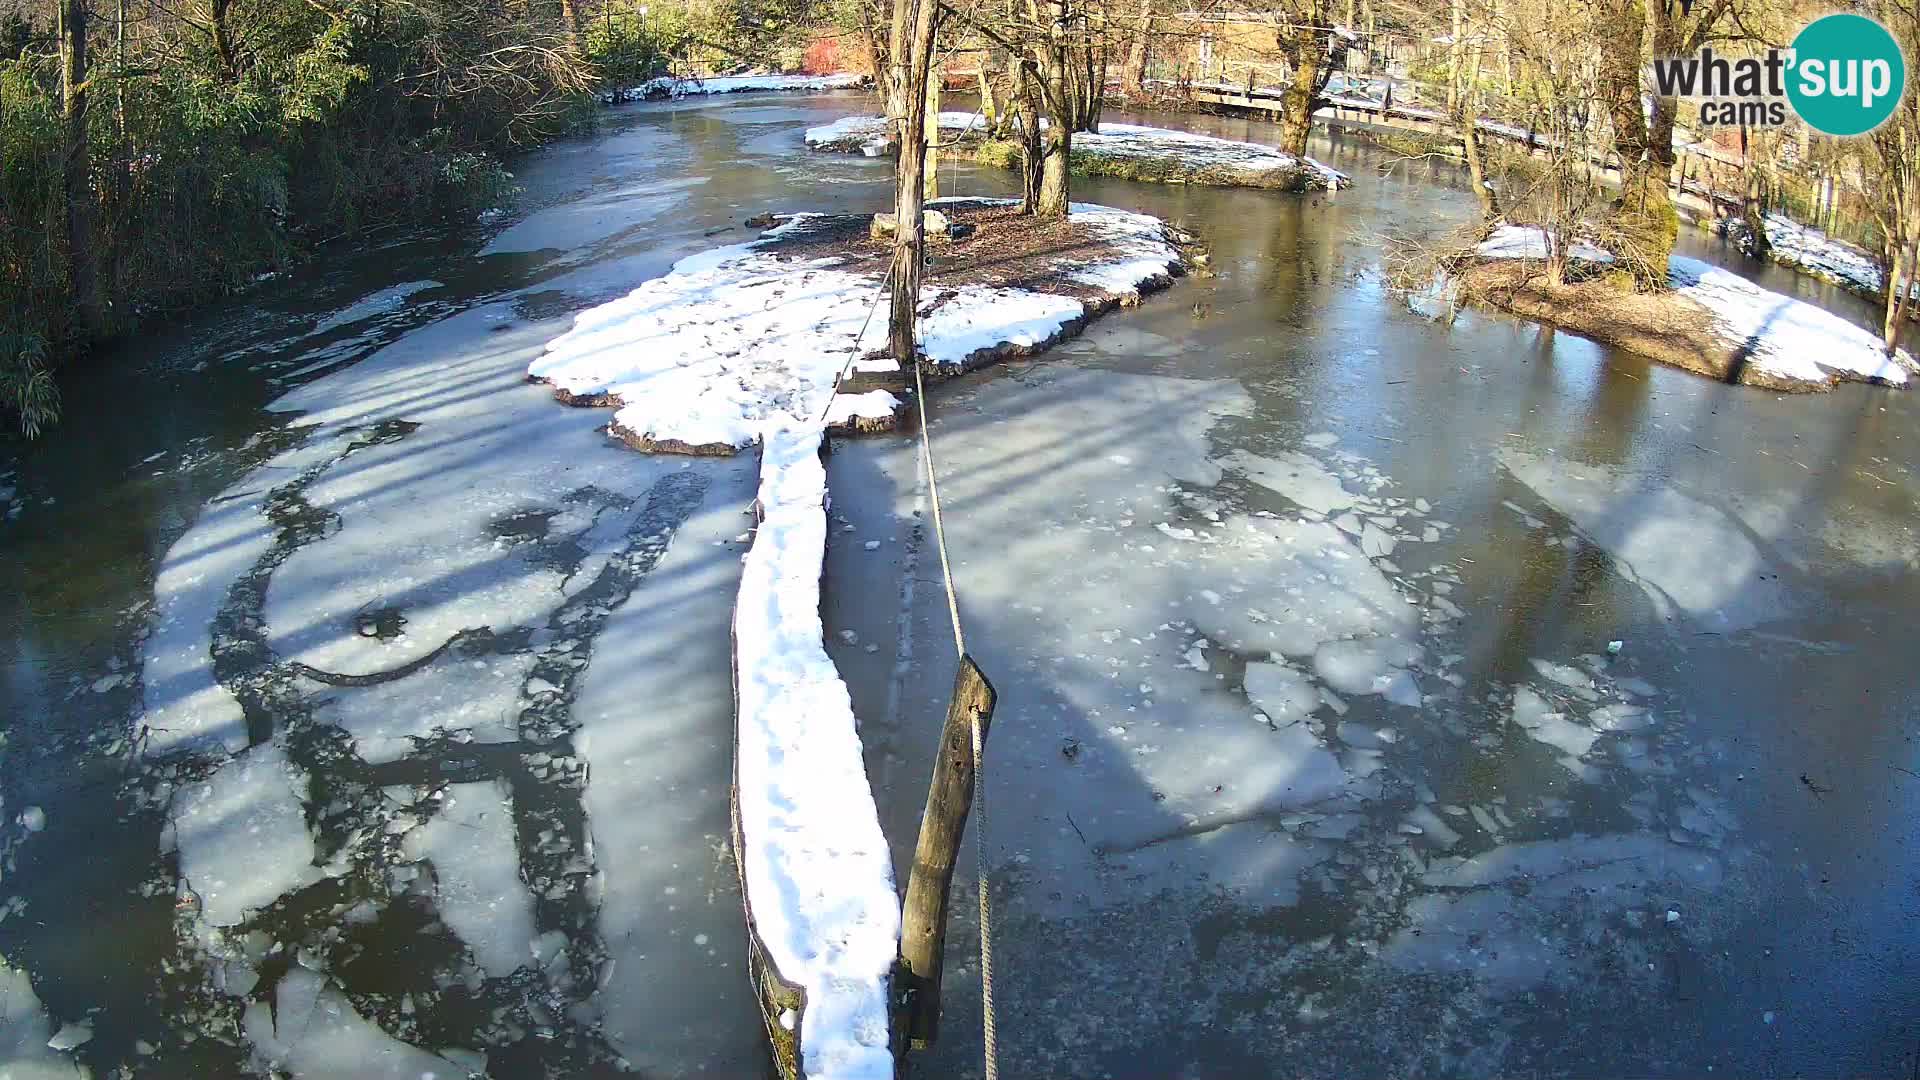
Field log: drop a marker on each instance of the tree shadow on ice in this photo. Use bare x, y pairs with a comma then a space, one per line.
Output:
521, 1018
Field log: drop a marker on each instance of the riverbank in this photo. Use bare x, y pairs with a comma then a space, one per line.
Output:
1709, 321
1812, 252
1123, 151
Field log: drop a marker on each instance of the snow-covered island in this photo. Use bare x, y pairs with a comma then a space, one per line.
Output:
744, 345
1709, 321
1127, 151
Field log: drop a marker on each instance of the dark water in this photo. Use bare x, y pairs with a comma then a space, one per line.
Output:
1797, 725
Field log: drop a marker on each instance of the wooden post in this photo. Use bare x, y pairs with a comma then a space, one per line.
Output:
923, 927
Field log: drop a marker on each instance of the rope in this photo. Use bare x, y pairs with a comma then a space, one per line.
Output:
939, 528
988, 1035
854, 349
989, 1038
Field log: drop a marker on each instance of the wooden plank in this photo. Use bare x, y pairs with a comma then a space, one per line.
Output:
923, 930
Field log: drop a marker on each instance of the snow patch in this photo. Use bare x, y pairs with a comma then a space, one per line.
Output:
1529, 242
668, 86
1784, 337
1114, 142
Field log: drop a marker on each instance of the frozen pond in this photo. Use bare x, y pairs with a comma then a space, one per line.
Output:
369, 712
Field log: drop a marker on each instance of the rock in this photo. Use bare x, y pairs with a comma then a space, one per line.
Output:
932, 222
762, 221
70, 1036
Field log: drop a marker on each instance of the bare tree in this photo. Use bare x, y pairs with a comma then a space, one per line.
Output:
909, 60
1890, 161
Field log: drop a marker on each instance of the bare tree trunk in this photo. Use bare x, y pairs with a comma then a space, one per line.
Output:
932, 164
1646, 168
83, 278
1032, 150
1133, 73
1097, 51
1752, 211
1056, 140
910, 48
223, 47
1308, 58
989, 107
1453, 54
1897, 287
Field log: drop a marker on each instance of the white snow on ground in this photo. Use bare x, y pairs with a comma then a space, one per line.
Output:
1689, 557
728, 340
728, 84
1115, 141
669, 86
871, 131
967, 320
470, 843
1787, 338
1814, 252
1528, 242
737, 338
242, 835
818, 871
24, 1032
1779, 335
1136, 141
311, 1032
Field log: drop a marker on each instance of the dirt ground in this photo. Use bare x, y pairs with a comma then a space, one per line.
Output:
1003, 250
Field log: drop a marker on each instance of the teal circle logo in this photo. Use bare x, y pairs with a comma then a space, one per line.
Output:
1848, 74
